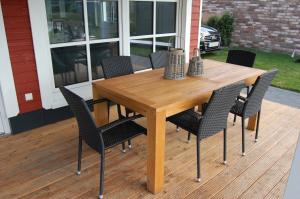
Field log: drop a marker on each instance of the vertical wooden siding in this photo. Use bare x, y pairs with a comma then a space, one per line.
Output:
19, 38
194, 25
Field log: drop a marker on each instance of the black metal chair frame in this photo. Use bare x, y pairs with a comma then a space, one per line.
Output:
115, 67
212, 121
99, 138
246, 107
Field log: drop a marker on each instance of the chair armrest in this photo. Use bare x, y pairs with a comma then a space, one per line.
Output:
242, 98
98, 101
117, 123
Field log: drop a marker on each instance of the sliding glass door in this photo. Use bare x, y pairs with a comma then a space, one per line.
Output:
153, 26
73, 37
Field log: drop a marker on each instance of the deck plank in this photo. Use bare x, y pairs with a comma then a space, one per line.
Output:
41, 163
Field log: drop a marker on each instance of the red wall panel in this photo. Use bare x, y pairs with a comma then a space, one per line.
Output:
19, 38
194, 25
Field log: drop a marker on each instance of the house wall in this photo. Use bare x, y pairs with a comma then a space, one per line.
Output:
19, 39
194, 39
268, 25
21, 51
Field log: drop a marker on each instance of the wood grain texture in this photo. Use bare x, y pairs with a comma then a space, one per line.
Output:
153, 96
41, 163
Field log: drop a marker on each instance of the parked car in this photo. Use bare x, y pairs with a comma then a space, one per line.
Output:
210, 39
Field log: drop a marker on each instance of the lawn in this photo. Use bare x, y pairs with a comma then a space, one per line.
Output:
289, 70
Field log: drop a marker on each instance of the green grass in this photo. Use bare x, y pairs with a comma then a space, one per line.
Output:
289, 70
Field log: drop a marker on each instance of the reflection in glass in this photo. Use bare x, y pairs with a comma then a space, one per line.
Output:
69, 65
141, 18
165, 17
141, 47
99, 52
103, 19
65, 21
164, 43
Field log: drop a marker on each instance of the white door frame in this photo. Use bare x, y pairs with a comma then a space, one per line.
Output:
50, 96
8, 97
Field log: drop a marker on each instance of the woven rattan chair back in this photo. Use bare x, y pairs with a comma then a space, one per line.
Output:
215, 115
86, 124
254, 100
159, 59
117, 66
241, 57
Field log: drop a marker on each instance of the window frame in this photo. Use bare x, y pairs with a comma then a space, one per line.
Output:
155, 35
50, 96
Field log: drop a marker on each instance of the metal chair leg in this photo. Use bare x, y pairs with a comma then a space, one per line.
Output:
101, 185
257, 126
248, 90
129, 144
234, 119
123, 147
225, 147
189, 137
79, 155
243, 137
119, 111
108, 109
198, 161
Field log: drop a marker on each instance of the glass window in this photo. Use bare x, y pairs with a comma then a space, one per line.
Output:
69, 65
99, 52
165, 17
164, 43
65, 21
103, 19
141, 47
141, 18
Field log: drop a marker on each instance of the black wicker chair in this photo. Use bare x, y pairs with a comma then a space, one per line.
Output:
243, 58
99, 138
159, 59
250, 106
115, 67
213, 119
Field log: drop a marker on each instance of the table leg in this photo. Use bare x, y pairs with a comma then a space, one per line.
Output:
100, 109
252, 122
156, 129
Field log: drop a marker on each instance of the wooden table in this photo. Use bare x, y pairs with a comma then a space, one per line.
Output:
156, 98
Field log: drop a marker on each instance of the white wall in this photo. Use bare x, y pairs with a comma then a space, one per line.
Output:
9, 96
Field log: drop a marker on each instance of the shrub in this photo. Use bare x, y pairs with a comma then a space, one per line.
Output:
213, 22
224, 25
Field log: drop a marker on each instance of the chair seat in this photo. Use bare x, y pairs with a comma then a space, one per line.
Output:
237, 108
188, 120
121, 133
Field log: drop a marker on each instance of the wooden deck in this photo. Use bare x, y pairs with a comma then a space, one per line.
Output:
41, 163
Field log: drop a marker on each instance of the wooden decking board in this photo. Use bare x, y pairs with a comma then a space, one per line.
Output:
278, 190
234, 170
264, 184
49, 158
183, 188
246, 179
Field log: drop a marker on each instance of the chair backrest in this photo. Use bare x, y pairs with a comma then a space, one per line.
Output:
86, 124
241, 57
116, 66
159, 59
257, 93
216, 113
140, 63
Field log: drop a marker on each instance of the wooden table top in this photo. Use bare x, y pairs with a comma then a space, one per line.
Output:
149, 90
